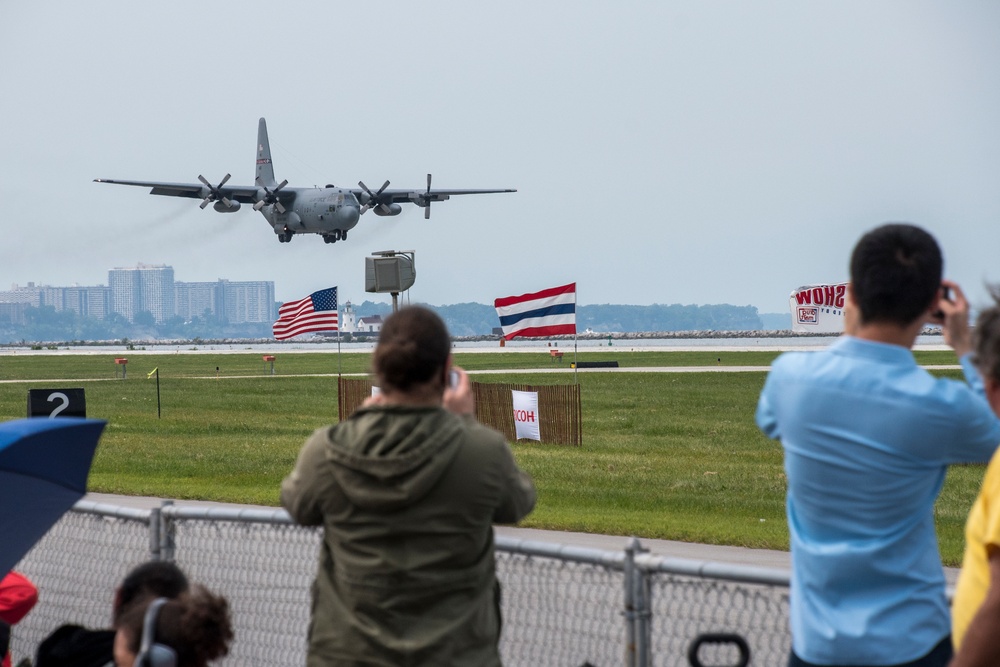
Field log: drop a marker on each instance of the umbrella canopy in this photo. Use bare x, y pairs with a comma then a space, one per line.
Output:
44, 464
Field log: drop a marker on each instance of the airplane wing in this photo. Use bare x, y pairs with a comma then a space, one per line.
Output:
241, 193
414, 196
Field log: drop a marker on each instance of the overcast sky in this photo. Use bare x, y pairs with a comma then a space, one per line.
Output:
663, 152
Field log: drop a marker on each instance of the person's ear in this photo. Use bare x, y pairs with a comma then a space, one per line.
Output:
116, 602
851, 315
447, 371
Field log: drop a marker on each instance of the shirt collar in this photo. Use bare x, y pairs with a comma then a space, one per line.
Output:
872, 350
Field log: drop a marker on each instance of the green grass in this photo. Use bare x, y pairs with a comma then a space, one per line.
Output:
666, 455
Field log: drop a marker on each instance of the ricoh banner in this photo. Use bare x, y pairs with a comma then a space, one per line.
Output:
526, 415
818, 308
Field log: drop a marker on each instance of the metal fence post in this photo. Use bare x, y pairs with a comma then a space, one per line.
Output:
629, 571
167, 544
154, 534
643, 612
637, 626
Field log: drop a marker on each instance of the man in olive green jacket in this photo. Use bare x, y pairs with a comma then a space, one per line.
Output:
407, 491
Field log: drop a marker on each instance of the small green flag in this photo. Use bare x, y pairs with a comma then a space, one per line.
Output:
151, 372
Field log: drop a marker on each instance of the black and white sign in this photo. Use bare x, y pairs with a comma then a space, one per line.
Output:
56, 403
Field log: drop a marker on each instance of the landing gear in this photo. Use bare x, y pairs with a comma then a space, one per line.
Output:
335, 235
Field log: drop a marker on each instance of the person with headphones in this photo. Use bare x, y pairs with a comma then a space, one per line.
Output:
72, 645
191, 630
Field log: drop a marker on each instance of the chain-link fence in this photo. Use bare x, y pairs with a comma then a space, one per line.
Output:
562, 605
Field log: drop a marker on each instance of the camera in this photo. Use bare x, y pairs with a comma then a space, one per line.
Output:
946, 295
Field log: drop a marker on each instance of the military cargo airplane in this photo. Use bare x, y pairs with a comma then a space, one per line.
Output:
330, 212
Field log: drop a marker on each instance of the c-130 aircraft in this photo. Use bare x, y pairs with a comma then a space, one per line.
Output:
330, 212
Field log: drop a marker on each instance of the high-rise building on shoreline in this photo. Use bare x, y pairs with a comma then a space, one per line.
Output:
237, 302
142, 289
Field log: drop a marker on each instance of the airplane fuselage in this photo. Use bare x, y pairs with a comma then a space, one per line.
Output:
329, 212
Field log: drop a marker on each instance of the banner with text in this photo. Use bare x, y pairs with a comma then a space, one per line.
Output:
818, 308
526, 415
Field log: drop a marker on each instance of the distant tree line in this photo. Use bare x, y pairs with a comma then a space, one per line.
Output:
45, 324
477, 319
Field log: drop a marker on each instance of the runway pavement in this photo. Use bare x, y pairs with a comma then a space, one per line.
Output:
725, 554
689, 550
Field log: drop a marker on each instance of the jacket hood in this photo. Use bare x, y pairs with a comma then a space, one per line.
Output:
387, 457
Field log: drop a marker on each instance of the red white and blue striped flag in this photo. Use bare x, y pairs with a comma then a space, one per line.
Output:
551, 312
316, 312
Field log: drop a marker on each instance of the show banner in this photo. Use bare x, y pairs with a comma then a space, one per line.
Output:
818, 308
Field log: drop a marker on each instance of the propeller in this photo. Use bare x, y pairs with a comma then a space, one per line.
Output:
270, 196
427, 209
373, 198
215, 192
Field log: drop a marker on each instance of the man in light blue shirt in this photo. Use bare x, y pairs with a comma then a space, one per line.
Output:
868, 436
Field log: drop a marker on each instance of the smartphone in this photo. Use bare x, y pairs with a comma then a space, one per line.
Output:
453, 379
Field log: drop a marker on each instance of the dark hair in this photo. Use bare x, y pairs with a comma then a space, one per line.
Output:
158, 579
196, 625
986, 338
413, 347
895, 273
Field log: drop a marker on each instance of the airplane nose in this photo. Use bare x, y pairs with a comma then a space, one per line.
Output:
348, 216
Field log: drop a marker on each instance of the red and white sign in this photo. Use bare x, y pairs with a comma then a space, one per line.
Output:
818, 308
526, 415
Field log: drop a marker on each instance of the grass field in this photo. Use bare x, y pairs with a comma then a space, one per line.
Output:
666, 455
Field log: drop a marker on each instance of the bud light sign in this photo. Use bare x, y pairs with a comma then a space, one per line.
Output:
818, 308
526, 415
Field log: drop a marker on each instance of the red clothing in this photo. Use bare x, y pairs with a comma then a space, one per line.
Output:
17, 596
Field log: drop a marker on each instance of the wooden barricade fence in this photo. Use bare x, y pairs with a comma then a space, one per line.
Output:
351, 393
560, 414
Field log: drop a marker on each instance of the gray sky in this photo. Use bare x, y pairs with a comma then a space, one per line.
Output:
663, 152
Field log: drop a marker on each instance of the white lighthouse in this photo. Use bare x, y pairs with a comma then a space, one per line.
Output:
347, 322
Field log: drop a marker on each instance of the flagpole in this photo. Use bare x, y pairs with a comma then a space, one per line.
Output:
156, 371
576, 329
338, 342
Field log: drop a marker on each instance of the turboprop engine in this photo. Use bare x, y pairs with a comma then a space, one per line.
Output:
387, 209
221, 207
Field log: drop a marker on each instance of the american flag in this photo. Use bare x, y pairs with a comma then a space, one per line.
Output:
316, 312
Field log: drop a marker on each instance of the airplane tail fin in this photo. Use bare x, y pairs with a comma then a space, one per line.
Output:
265, 172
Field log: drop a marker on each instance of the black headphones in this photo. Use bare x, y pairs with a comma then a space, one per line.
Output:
152, 654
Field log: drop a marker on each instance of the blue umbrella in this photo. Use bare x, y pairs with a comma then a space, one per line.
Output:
44, 464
